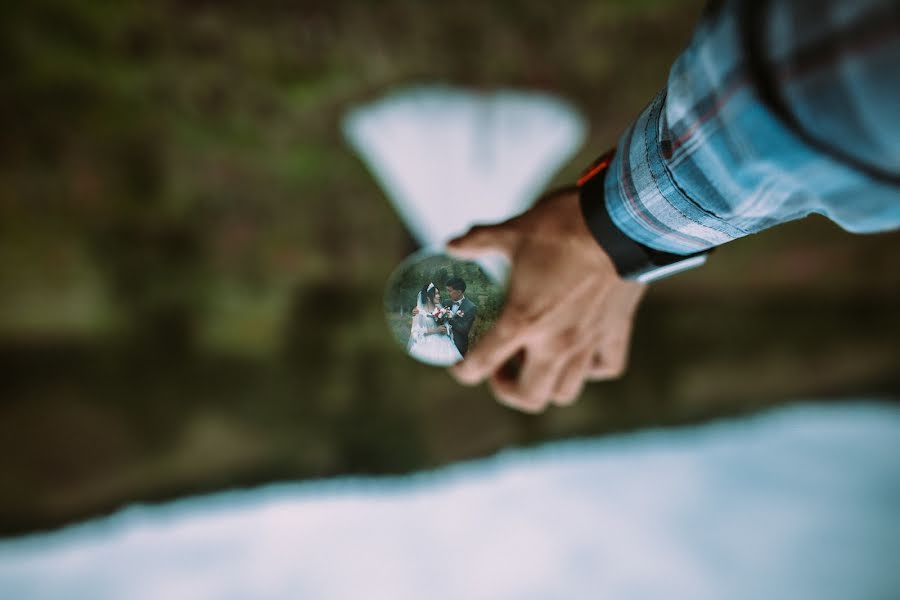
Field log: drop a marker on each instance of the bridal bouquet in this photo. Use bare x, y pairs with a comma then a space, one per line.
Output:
441, 314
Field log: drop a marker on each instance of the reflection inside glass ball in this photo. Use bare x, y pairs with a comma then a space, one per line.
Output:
439, 307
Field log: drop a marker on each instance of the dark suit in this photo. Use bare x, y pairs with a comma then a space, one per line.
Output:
462, 325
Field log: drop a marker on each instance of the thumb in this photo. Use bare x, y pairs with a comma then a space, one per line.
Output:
483, 239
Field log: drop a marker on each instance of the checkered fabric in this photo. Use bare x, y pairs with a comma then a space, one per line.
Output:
776, 109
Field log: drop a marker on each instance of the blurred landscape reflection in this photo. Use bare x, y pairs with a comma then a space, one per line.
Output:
800, 503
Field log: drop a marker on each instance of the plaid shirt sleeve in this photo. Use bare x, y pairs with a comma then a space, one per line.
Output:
774, 111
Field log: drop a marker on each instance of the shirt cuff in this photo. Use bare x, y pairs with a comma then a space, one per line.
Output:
645, 201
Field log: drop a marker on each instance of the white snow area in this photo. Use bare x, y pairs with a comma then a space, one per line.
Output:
802, 502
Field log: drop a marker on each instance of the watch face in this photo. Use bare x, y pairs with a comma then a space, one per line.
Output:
438, 307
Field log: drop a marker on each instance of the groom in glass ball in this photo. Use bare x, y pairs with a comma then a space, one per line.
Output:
462, 315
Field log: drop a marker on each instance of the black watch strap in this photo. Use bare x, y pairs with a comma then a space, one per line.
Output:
632, 259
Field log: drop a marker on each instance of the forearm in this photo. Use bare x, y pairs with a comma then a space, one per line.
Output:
719, 153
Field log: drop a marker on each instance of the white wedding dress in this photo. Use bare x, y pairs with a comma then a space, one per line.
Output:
435, 349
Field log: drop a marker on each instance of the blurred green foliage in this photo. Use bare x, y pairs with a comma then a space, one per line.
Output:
191, 260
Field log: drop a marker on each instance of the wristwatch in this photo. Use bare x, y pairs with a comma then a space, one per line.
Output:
632, 259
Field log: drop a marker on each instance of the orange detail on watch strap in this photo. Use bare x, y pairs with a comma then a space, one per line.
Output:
596, 167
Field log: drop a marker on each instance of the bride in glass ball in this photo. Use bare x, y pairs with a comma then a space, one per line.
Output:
431, 335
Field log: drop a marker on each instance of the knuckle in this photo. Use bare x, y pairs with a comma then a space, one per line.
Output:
467, 373
519, 399
516, 316
565, 339
617, 370
533, 405
534, 398
565, 396
618, 362
506, 329
609, 369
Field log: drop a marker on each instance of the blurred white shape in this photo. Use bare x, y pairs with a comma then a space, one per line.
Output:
448, 159
799, 503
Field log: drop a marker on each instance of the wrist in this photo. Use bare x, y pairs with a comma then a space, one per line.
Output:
631, 258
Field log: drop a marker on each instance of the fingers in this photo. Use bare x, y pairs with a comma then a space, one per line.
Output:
571, 378
562, 287
482, 239
532, 389
609, 360
611, 356
497, 347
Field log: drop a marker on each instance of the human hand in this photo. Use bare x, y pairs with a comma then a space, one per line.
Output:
564, 294
415, 311
442, 329
610, 356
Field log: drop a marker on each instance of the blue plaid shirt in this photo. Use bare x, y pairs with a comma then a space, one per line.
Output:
774, 111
